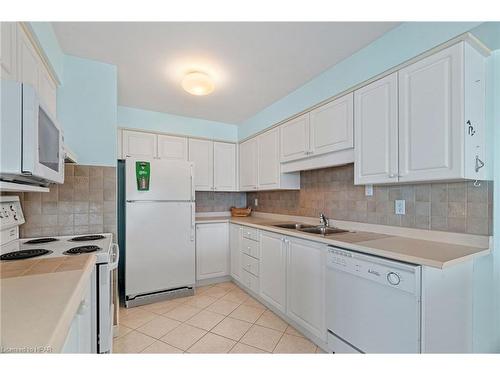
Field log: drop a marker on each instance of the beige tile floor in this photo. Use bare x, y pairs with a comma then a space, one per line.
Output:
219, 318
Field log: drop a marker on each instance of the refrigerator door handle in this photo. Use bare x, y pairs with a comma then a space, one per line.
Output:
192, 223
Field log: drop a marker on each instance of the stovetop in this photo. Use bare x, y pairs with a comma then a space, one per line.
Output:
63, 245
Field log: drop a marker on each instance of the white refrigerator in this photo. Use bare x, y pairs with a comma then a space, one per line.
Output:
160, 230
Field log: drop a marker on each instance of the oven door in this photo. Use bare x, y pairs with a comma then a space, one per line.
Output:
105, 303
42, 155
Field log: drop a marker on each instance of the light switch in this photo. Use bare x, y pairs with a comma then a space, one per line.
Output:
400, 207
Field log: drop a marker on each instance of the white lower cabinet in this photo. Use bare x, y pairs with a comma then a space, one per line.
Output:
212, 250
80, 334
272, 269
235, 236
306, 285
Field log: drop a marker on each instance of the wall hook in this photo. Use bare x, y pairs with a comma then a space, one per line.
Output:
477, 183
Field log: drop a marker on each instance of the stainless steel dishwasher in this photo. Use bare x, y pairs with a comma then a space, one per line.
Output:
373, 304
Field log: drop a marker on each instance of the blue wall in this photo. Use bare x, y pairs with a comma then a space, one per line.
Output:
164, 122
86, 108
398, 45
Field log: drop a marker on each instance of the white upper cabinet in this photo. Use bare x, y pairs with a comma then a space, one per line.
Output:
424, 122
172, 148
8, 51
376, 131
139, 144
295, 139
224, 168
248, 165
48, 91
260, 167
272, 269
201, 152
332, 126
27, 61
431, 117
269, 159
320, 138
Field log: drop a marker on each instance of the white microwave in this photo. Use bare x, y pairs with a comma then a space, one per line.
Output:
31, 138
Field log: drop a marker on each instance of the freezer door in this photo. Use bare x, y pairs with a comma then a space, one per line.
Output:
170, 180
160, 246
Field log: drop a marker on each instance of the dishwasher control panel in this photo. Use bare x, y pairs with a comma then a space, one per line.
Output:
391, 273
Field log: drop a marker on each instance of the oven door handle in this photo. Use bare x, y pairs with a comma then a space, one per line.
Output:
115, 257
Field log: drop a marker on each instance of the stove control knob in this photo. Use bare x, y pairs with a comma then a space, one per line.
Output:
393, 278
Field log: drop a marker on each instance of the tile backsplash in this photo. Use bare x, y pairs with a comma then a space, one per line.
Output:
207, 201
454, 207
85, 203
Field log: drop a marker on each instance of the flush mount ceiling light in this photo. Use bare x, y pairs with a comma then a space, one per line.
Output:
198, 83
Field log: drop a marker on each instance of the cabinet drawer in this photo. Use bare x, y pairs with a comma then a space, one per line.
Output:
251, 233
250, 264
250, 247
250, 281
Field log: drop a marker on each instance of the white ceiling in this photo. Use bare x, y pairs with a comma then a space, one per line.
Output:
253, 64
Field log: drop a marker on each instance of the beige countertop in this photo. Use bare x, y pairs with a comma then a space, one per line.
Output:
39, 299
412, 250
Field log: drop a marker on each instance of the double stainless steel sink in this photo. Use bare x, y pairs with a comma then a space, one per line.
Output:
307, 228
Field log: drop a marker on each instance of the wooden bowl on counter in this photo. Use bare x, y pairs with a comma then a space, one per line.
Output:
241, 212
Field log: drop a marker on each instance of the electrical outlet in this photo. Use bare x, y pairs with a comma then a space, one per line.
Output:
400, 207
369, 190
256, 202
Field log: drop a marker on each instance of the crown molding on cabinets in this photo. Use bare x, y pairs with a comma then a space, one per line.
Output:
177, 135
25, 26
468, 37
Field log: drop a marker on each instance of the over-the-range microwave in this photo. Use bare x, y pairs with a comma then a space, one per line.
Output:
31, 138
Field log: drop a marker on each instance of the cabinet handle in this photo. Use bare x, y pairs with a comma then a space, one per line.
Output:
393, 175
479, 164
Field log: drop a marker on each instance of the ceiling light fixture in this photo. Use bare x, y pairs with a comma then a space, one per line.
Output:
198, 83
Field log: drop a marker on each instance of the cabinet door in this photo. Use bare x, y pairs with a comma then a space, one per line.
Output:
235, 234
27, 61
8, 51
376, 132
47, 89
295, 138
172, 148
269, 159
201, 153
306, 285
248, 165
139, 144
431, 100
332, 126
272, 269
224, 166
212, 250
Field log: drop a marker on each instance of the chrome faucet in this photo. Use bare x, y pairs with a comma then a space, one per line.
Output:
323, 220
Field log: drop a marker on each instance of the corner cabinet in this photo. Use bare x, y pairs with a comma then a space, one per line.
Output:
248, 165
260, 167
306, 285
272, 269
212, 250
425, 122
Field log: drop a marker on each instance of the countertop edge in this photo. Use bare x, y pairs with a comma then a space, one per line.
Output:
351, 246
58, 337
